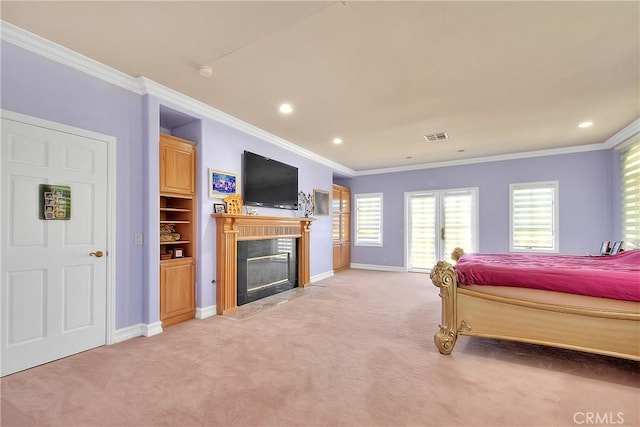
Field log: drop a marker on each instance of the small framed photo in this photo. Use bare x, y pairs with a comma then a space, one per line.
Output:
55, 202
604, 247
320, 202
178, 252
222, 184
219, 208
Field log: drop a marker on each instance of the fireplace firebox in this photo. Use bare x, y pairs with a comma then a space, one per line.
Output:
266, 267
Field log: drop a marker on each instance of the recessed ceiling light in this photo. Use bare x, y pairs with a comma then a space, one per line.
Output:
206, 71
337, 141
286, 108
585, 124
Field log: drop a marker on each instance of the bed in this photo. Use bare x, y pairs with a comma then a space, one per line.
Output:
589, 304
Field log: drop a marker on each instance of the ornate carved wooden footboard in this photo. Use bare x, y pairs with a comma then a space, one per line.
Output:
468, 312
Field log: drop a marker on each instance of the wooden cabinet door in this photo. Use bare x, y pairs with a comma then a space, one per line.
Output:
345, 200
177, 166
341, 227
345, 255
177, 291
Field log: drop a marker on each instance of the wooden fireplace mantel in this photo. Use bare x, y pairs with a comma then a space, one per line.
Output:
233, 228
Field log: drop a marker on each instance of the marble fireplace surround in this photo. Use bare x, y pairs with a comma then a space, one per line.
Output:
233, 228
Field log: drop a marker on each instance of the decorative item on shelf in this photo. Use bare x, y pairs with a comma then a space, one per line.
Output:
305, 204
219, 208
178, 252
250, 211
168, 233
222, 183
166, 255
234, 204
320, 202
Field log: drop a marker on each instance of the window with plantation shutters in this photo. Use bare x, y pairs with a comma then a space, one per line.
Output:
534, 217
368, 217
630, 180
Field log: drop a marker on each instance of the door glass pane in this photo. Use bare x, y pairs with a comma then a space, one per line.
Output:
458, 208
422, 231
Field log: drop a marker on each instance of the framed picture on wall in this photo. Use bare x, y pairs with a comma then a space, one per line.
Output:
222, 184
320, 202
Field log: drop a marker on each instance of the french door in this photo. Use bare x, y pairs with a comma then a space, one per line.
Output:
437, 222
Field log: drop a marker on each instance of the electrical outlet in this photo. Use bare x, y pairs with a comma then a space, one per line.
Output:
138, 239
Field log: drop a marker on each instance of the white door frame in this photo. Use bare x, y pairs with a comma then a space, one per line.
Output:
110, 333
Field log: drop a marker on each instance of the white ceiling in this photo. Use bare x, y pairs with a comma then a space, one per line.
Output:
498, 77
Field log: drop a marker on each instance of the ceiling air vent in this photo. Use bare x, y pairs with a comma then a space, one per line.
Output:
437, 136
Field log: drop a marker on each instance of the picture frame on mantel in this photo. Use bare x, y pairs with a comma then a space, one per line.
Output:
222, 184
320, 202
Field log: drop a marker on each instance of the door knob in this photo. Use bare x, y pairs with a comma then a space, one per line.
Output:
97, 254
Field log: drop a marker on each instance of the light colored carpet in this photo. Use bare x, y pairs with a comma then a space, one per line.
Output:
356, 351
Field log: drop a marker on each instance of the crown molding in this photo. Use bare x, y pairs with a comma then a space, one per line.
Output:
623, 135
55, 52
486, 159
206, 111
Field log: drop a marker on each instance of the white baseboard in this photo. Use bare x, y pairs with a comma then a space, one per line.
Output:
151, 329
127, 333
378, 267
321, 276
139, 330
204, 312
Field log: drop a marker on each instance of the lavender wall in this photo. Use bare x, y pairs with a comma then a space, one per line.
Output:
585, 201
38, 87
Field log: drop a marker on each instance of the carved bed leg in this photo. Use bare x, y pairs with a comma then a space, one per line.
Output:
444, 277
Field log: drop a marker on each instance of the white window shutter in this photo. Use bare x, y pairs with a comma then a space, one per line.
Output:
368, 225
534, 210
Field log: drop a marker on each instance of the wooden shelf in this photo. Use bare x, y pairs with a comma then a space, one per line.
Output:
174, 210
175, 222
176, 242
174, 260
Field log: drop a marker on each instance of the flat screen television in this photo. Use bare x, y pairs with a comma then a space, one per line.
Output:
269, 183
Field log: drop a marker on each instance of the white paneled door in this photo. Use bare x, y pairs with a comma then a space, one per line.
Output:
54, 273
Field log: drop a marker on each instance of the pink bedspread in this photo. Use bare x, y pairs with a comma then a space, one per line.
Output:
616, 276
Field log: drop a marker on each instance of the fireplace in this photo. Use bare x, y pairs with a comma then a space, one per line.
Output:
266, 267
232, 230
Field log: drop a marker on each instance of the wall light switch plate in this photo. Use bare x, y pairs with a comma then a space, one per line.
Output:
138, 239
